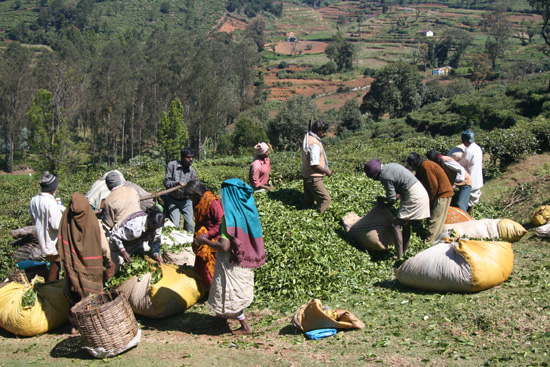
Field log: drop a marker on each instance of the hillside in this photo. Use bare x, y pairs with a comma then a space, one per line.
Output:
506, 325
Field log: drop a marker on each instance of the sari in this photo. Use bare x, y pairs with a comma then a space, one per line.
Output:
207, 223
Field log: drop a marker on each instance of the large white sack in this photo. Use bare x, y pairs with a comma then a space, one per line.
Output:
543, 231
485, 228
439, 268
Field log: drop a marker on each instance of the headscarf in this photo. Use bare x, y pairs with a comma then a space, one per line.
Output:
372, 168
243, 224
261, 148
79, 247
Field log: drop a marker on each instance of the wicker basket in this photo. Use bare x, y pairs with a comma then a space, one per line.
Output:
106, 323
18, 276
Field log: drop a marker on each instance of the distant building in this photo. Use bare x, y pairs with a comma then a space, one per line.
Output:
291, 37
426, 33
445, 70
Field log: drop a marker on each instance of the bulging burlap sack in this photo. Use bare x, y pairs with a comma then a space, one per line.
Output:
373, 231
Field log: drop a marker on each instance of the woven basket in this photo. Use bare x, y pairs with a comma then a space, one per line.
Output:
18, 276
106, 322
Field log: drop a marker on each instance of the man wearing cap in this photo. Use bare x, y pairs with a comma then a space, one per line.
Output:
260, 169
399, 182
121, 202
315, 166
178, 173
46, 215
472, 161
458, 177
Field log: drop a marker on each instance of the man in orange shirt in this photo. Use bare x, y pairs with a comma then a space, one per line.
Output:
439, 189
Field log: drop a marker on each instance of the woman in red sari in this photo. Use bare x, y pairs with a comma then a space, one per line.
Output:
208, 213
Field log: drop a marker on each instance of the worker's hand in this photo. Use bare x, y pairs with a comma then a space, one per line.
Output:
181, 183
158, 258
125, 256
329, 172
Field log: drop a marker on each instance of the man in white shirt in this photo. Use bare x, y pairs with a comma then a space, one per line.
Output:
472, 161
46, 215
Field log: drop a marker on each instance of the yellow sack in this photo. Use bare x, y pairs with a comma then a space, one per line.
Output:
312, 317
541, 215
179, 289
491, 263
185, 285
510, 231
51, 308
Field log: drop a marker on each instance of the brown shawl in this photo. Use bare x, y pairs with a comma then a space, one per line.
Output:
79, 247
205, 260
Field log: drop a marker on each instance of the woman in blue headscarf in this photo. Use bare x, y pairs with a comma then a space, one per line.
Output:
239, 251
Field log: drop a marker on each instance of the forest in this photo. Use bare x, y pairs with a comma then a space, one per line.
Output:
90, 83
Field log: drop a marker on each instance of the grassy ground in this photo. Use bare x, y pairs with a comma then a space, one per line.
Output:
505, 326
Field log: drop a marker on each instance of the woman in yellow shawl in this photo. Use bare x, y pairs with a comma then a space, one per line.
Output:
208, 213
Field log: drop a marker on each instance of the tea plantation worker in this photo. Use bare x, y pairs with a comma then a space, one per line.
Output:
472, 161
80, 250
439, 189
46, 215
121, 202
139, 232
239, 251
260, 169
99, 191
208, 213
399, 182
178, 173
314, 167
458, 177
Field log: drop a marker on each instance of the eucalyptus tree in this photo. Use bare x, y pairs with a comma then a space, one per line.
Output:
499, 29
542, 7
16, 84
110, 78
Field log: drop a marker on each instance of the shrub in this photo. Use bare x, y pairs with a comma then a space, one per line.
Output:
506, 146
283, 65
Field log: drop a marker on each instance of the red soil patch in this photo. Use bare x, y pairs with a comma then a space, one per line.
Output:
231, 24
286, 48
281, 90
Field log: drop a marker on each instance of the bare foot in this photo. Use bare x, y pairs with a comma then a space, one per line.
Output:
242, 331
74, 331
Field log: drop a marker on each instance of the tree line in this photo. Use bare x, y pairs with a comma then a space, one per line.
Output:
86, 104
